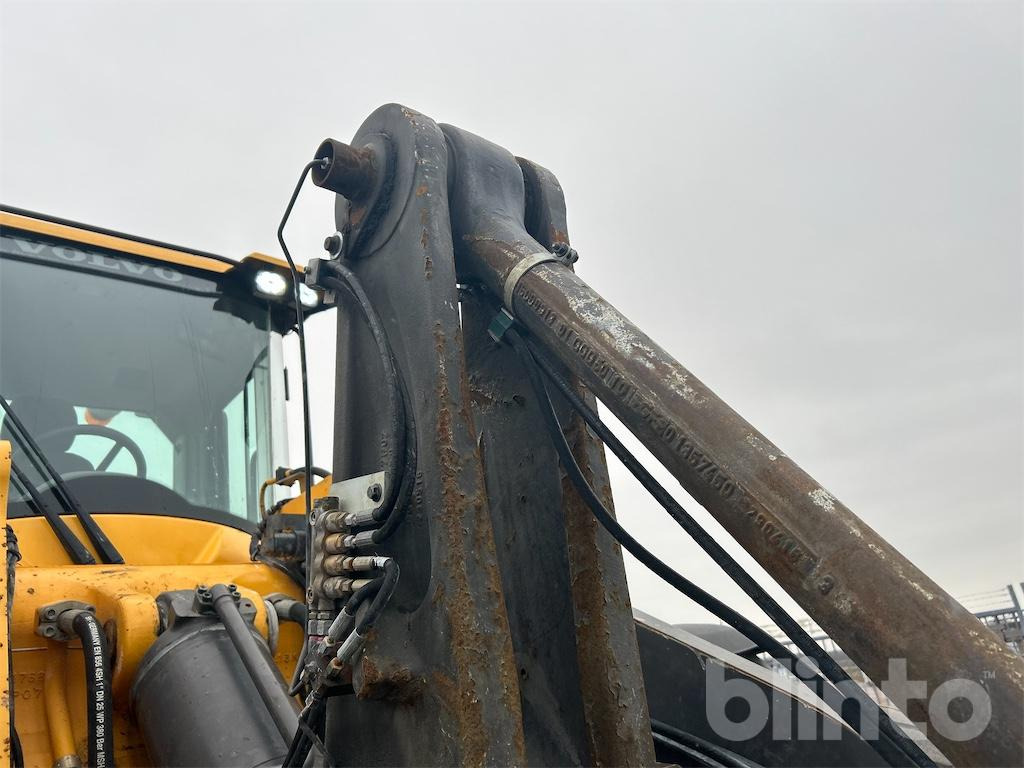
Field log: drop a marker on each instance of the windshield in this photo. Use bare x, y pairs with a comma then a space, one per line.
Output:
124, 368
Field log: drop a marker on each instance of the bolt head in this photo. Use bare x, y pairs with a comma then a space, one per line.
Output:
332, 244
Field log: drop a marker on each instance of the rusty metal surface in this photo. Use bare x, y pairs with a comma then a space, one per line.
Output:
875, 603
581, 681
349, 171
611, 678
525, 494
438, 681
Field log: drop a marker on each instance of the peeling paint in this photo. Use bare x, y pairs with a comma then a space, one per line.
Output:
823, 499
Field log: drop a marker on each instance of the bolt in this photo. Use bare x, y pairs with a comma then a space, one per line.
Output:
375, 492
332, 244
50, 631
50, 614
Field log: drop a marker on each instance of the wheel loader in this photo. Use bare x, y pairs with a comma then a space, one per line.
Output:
180, 591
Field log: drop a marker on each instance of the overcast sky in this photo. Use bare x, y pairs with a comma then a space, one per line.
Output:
815, 207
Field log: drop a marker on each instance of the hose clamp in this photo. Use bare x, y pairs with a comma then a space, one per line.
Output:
523, 266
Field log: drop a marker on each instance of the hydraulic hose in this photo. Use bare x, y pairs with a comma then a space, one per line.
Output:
291, 610
699, 758
305, 734
294, 611
339, 277
724, 756
256, 663
408, 484
99, 702
388, 582
796, 633
891, 747
379, 592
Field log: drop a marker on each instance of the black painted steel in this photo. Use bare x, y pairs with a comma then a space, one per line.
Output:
858, 587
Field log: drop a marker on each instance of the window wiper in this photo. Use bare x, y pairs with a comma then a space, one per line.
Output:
104, 546
72, 545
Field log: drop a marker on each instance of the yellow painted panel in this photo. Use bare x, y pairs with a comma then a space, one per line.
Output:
162, 554
5, 672
122, 244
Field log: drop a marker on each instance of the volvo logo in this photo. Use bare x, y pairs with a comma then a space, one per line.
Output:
92, 259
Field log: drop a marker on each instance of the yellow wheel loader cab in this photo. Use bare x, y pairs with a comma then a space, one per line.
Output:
150, 383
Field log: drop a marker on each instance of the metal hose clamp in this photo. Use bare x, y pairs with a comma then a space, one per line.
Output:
523, 266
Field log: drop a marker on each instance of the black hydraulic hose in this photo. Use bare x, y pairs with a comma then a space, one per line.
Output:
731, 617
408, 484
295, 684
104, 546
797, 634
256, 663
98, 699
700, 758
291, 610
362, 594
72, 544
337, 276
388, 582
13, 558
888, 747
725, 756
301, 741
294, 611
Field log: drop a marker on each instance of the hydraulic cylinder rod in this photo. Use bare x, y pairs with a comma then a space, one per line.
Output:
869, 598
257, 662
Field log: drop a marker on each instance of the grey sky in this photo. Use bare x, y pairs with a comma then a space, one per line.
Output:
815, 207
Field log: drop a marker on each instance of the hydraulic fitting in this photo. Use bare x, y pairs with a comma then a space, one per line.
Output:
350, 647
338, 587
356, 541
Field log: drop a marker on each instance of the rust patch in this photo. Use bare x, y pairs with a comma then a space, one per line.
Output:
466, 637
389, 682
614, 703
473, 644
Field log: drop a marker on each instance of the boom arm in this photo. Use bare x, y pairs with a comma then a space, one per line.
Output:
499, 218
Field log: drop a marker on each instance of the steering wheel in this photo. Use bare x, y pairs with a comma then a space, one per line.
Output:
121, 441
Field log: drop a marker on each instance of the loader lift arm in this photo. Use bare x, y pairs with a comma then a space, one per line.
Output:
492, 524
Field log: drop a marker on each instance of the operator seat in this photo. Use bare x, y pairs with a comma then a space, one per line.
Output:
40, 416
